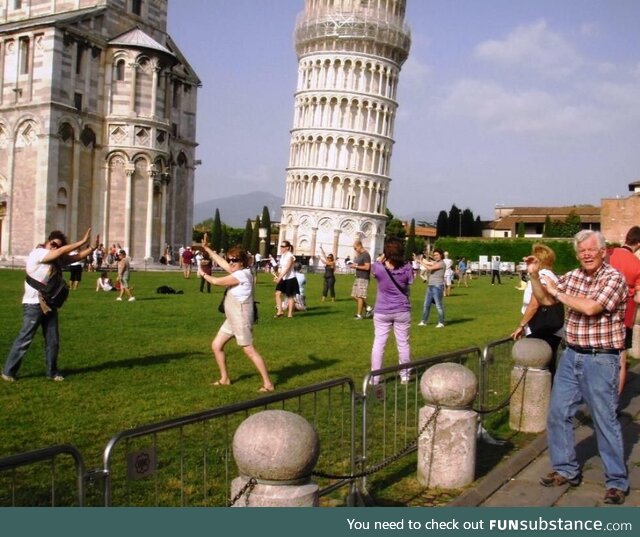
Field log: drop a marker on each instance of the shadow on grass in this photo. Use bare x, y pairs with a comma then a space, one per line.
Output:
295, 370
141, 361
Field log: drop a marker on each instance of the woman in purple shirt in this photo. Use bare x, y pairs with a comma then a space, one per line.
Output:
393, 307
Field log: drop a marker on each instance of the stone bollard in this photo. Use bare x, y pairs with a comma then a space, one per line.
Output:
279, 449
447, 447
530, 400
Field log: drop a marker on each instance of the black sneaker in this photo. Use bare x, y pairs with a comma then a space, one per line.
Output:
554, 479
615, 496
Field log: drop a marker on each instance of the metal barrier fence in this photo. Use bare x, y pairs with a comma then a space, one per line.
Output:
187, 461
23, 490
391, 409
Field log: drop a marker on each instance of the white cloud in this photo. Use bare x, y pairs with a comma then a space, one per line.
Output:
589, 29
520, 112
532, 46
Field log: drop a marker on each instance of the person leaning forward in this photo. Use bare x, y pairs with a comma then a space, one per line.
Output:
595, 296
43, 260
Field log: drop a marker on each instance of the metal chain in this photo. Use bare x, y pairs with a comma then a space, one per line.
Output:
504, 403
373, 469
248, 488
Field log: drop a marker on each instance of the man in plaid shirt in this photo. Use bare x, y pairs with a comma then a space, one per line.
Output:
594, 296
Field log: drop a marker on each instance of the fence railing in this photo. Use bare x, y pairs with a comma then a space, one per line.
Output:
187, 461
18, 472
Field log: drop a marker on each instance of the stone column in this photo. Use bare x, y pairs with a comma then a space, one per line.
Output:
279, 449
447, 446
530, 400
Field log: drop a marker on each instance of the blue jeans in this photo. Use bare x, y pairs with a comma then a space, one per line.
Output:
592, 379
31, 320
434, 294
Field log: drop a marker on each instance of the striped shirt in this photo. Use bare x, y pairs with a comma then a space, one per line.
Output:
609, 289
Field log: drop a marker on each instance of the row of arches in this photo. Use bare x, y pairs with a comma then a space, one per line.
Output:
395, 8
355, 75
337, 192
354, 114
362, 155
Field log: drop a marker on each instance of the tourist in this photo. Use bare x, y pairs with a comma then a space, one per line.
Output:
238, 310
625, 261
285, 278
595, 295
393, 306
187, 260
42, 263
329, 276
103, 283
362, 265
75, 270
546, 257
435, 287
124, 266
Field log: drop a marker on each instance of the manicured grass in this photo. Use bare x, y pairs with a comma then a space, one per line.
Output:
128, 364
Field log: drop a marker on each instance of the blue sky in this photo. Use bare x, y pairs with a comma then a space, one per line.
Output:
513, 102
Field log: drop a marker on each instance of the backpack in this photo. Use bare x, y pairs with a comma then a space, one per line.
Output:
55, 292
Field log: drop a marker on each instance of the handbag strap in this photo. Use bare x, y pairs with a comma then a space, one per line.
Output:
395, 282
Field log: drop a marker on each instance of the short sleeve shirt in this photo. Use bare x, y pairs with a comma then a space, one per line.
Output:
608, 288
362, 259
38, 271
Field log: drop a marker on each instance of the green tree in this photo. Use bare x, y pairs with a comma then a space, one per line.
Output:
411, 241
467, 223
572, 224
521, 230
255, 236
547, 229
442, 224
455, 224
246, 236
216, 232
477, 227
266, 223
394, 228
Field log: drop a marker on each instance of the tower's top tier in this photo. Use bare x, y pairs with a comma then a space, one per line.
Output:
370, 26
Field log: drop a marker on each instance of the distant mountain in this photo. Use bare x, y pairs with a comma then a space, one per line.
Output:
234, 210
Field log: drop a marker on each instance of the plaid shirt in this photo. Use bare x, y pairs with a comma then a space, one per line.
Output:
609, 289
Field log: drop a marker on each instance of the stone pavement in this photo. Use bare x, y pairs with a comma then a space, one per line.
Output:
514, 482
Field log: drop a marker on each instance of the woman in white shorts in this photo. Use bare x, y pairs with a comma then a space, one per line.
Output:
238, 310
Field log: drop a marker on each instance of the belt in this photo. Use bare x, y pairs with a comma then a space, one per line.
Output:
593, 350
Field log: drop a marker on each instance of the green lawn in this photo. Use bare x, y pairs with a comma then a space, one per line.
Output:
128, 364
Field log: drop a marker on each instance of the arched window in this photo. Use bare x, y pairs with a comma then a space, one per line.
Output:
120, 64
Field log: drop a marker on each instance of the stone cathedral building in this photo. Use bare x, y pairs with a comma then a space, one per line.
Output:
97, 125
349, 57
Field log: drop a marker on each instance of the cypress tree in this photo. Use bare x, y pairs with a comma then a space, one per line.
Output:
216, 233
442, 224
246, 236
411, 241
255, 237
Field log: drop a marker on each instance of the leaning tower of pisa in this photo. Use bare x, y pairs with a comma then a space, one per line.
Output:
349, 57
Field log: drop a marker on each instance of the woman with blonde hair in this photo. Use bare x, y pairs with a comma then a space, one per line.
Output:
546, 256
238, 310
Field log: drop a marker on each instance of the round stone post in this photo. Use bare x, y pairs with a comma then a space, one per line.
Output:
278, 449
530, 400
447, 446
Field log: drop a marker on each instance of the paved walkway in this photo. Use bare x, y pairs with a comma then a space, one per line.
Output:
514, 483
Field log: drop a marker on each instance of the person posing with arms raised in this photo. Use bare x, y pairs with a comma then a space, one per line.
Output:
42, 264
238, 310
435, 287
393, 307
329, 285
285, 278
595, 296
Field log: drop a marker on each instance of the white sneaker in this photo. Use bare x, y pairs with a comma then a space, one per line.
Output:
119, 299
439, 325
422, 323
132, 299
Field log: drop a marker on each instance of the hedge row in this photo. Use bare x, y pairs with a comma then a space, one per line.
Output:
509, 250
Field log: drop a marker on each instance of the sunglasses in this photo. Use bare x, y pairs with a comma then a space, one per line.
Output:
233, 260
55, 244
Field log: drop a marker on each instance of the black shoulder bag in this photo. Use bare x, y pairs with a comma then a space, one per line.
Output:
55, 292
405, 293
